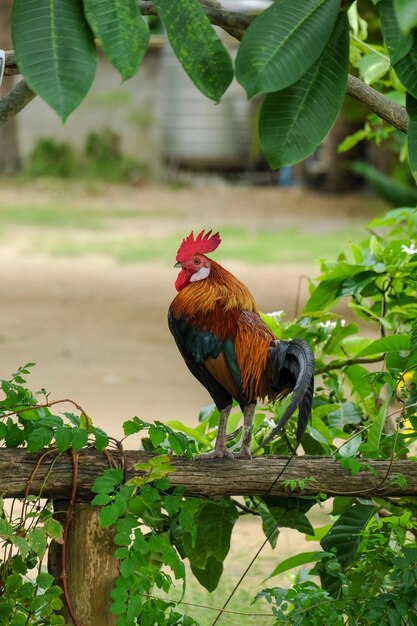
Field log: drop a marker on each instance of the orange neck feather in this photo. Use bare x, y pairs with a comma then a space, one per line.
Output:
219, 290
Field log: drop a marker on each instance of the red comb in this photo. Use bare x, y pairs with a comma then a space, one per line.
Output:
200, 245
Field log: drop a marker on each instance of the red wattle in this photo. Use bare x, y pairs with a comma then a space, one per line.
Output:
183, 279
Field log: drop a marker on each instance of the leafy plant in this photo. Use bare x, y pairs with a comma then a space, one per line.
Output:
28, 594
297, 56
102, 158
51, 158
365, 412
367, 561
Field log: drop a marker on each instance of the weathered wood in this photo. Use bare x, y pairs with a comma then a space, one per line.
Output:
90, 566
204, 477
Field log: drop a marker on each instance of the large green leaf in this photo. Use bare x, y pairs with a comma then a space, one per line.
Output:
121, 32
345, 535
323, 296
406, 12
402, 47
392, 190
199, 50
55, 51
375, 431
294, 121
412, 134
392, 343
207, 550
398, 43
347, 413
283, 42
275, 517
297, 560
344, 538
210, 574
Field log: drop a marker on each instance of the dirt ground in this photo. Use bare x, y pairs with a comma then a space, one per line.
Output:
97, 329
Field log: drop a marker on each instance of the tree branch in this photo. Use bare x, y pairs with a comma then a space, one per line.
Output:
337, 365
14, 101
10, 67
236, 24
209, 478
389, 111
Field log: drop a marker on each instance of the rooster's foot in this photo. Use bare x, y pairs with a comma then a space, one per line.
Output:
244, 453
217, 453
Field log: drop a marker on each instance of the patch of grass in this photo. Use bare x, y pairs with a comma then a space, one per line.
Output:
239, 611
257, 247
123, 250
102, 158
51, 216
74, 217
290, 245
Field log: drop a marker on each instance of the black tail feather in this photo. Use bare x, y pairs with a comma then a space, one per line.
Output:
292, 367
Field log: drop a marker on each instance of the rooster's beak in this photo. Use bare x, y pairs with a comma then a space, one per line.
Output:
177, 265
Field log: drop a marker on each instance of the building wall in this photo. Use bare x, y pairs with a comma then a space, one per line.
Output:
130, 109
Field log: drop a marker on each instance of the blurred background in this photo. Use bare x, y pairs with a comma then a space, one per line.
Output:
92, 213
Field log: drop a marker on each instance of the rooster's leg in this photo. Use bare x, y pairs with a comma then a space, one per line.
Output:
245, 451
220, 448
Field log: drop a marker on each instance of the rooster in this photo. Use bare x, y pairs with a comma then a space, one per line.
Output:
230, 350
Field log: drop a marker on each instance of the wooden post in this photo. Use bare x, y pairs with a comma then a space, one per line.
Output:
90, 568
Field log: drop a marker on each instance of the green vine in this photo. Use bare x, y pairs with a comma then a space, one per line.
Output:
367, 558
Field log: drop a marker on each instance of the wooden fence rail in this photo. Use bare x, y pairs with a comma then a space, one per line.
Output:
90, 566
209, 478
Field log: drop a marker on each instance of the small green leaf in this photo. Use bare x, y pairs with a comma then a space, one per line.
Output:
108, 481
21, 544
372, 67
53, 528
157, 436
270, 522
351, 447
39, 438
101, 499
109, 515
133, 426
121, 32
352, 140
63, 438
376, 430
79, 438
195, 433
198, 48
101, 439
45, 580
37, 541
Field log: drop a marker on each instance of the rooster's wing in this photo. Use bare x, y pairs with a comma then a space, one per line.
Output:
211, 360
